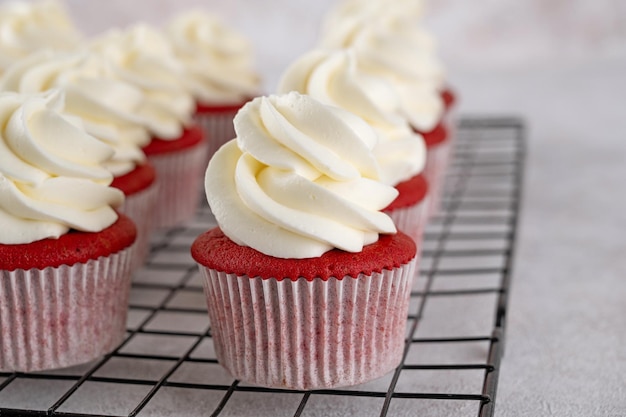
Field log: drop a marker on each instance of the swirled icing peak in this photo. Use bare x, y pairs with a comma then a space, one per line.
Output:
26, 27
299, 180
335, 78
51, 178
143, 56
218, 60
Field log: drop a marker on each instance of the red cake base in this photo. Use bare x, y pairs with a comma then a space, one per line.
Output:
215, 250
69, 249
142, 177
190, 137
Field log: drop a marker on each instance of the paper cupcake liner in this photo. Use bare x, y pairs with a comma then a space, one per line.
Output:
140, 208
309, 334
217, 127
437, 158
412, 220
58, 317
179, 175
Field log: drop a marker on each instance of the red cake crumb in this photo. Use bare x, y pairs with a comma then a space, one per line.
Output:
69, 249
136, 180
215, 250
436, 136
411, 191
188, 139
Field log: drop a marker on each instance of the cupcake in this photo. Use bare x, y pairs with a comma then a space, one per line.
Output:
107, 107
335, 78
28, 27
306, 282
389, 43
64, 251
218, 64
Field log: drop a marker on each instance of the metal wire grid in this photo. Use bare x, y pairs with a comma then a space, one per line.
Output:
455, 337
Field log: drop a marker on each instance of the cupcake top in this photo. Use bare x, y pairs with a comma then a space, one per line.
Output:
392, 45
26, 27
335, 78
108, 106
299, 180
142, 56
51, 178
218, 61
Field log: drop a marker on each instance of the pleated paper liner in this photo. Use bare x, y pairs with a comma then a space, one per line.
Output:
64, 316
309, 334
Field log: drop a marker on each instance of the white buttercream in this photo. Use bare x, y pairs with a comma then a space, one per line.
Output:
218, 60
392, 45
26, 27
108, 106
335, 78
143, 57
51, 174
299, 180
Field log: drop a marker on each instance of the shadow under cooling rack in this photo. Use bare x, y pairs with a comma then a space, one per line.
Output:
455, 335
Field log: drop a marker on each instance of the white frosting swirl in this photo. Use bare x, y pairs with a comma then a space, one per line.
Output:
394, 47
108, 106
51, 178
26, 27
335, 78
299, 180
143, 57
218, 60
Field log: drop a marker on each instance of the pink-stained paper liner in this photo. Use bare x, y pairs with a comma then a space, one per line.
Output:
217, 127
179, 175
309, 334
437, 158
412, 220
58, 317
140, 208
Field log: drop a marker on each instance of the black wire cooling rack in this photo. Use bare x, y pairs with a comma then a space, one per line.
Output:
455, 336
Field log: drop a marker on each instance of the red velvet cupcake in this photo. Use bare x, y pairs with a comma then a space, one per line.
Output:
64, 301
65, 253
306, 283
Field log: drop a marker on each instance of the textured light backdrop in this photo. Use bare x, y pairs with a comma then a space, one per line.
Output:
481, 35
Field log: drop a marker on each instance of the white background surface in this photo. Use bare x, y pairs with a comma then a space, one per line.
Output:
562, 66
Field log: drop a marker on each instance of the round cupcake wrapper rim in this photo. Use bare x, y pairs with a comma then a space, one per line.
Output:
309, 334
58, 317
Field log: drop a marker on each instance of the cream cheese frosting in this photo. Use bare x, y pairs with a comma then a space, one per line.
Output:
299, 180
108, 106
218, 60
393, 46
51, 178
143, 56
335, 78
26, 27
